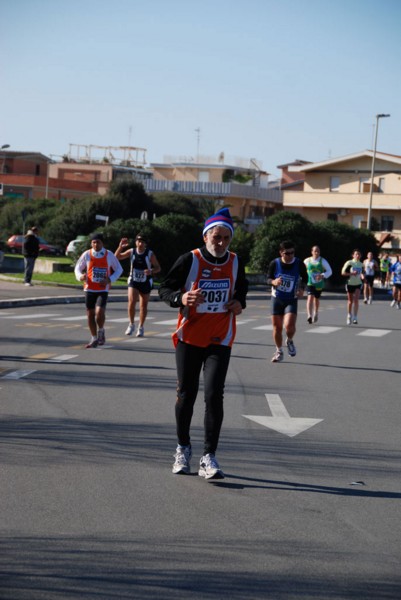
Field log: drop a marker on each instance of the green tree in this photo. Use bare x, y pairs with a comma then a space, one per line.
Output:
166, 203
337, 242
277, 228
242, 244
39, 212
174, 235
126, 199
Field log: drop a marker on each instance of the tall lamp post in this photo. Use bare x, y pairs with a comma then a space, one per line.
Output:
3, 147
372, 174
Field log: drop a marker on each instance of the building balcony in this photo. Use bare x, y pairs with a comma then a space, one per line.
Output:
220, 190
340, 200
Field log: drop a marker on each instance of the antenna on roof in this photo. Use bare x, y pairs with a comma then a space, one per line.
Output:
197, 144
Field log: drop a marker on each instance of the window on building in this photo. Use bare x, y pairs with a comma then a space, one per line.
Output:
363, 180
386, 223
203, 176
381, 184
332, 217
334, 183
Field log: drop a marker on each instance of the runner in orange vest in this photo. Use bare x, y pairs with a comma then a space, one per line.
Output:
97, 268
209, 287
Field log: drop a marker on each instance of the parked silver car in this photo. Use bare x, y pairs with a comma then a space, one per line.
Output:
72, 246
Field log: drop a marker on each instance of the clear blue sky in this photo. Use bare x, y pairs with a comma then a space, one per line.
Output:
274, 80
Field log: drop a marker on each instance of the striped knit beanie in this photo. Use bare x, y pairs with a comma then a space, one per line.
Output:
221, 218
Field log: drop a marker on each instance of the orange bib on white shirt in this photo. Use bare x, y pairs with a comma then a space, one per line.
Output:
98, 271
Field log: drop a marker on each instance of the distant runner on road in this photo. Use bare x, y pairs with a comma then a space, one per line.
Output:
97, 268
318, 270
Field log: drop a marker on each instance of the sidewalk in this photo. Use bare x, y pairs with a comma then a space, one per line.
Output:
13, 294
17, 294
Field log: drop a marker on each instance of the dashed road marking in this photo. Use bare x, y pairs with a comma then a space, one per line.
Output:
324, 329
31, 316
18, 374
169, 322
375, 332
62, 358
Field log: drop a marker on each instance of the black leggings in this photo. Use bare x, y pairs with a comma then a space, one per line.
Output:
190, 359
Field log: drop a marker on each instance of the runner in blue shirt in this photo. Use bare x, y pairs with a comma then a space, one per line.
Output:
395, 269
286, 275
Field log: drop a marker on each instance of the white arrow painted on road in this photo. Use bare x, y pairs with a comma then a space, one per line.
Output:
280, 420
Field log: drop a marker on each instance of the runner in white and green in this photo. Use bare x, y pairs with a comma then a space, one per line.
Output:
318, 270
352, 269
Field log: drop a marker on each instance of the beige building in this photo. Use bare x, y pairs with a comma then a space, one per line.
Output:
243, 188
340, 190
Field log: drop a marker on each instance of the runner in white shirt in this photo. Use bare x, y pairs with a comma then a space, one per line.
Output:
318, 270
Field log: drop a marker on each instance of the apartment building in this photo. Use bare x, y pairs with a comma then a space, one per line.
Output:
340, 190
244, 188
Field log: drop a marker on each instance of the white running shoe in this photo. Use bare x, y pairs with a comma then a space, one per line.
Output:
349, 320
140, 332
315, 318
393, 303
182, 457
130, 329
278, 356
355, 321
398, 306
370, 301
365, 300
209, 468
292, 351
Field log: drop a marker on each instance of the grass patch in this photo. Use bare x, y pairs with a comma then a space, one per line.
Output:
63, 279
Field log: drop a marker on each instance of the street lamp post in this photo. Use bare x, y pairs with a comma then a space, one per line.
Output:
3, 147
372, 174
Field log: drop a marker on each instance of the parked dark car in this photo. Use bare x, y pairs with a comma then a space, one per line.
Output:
15, 242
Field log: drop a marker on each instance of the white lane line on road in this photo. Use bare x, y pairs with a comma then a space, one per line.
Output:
245, 321
120, 320
323, 329
375, 332
264, 327
80, 318
61, 358
34, 316
18, 374
170, 322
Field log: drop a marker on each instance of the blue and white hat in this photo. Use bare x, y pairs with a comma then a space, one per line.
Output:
221, 218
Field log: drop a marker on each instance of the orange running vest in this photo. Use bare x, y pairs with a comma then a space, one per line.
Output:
97, 269
210, 322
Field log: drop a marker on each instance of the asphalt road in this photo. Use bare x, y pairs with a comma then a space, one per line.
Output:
308, 509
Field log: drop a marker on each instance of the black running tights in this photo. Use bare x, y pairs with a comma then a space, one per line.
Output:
190, 359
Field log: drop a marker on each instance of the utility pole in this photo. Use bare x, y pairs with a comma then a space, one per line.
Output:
372, 174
